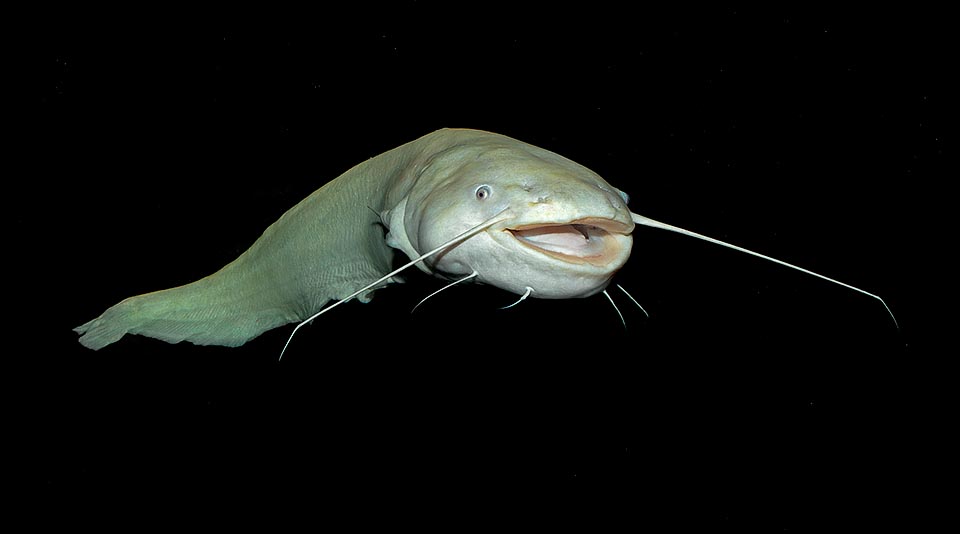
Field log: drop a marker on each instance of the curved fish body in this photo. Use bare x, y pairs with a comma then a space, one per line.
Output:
461, 204
560, 231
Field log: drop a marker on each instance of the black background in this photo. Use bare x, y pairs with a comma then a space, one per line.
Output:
160, 145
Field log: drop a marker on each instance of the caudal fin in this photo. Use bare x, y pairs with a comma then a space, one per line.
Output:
201, 313
106, 329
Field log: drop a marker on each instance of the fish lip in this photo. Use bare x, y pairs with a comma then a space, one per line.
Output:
604, 239
612, 226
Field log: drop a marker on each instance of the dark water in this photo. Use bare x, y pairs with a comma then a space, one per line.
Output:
752, 396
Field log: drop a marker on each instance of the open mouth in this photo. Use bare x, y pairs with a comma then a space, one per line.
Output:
578, 242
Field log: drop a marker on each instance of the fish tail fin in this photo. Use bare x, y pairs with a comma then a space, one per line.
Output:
106, 329
202, 313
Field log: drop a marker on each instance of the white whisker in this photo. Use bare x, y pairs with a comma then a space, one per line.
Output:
646, 221
451, 284
616, 308
634, 300
525, 295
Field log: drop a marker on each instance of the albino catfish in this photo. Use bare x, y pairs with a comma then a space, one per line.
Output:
461, 204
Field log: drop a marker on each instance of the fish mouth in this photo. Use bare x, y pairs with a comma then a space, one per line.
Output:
584, 241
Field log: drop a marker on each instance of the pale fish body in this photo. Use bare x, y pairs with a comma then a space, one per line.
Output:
561, 232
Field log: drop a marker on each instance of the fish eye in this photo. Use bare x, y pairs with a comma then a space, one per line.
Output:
483, 192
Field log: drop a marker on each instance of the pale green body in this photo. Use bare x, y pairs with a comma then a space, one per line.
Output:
325, 248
